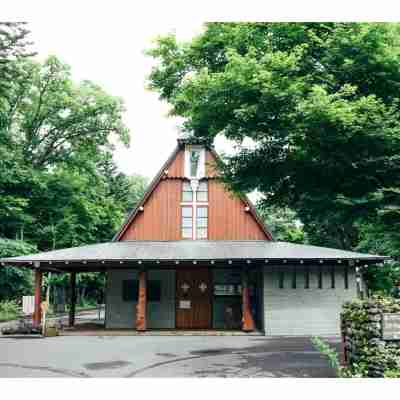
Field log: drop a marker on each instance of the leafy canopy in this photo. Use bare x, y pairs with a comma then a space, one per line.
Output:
318, 101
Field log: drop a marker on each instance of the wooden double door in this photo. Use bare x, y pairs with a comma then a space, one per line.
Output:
193, 298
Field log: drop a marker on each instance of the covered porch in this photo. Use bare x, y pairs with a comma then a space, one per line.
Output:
182, 285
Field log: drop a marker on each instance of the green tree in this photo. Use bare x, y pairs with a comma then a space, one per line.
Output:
59, 185
283, 224
319, 102
15, 282
51, 119
14, 46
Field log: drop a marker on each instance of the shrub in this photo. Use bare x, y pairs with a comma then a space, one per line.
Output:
9, 309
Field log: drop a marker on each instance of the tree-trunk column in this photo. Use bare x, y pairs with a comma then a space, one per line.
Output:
72, 299
37, 313
142, 300
247, 317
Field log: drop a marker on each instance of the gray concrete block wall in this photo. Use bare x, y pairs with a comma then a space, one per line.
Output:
304, 311
122, 314
162, 314
119, 313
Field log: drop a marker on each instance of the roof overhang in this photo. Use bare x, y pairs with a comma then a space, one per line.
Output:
167, 254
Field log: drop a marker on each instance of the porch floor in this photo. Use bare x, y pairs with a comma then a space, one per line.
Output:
97, 329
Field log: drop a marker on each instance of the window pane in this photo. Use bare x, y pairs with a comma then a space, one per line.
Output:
186, 186
187, 196
202, 212
201, 233
187, 212
202, 222
202, 196
187, 233
187, 222
187, 193
203, 187
194, 162
130, 290
154, 291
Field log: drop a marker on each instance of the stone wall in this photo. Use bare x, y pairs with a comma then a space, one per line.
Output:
366, 354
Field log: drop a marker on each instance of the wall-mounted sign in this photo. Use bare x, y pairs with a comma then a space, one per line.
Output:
185, 304
391, 326
28, 304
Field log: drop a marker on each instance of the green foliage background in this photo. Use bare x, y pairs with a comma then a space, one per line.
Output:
59, 184
314, 112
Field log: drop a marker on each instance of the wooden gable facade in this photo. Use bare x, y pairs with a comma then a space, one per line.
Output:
159, 214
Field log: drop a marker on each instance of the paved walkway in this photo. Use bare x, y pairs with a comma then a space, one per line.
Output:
81, 316
162, 356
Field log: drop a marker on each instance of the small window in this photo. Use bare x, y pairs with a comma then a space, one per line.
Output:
130, 290
187, 193
194, 162
187, 222
154, 291
202, 223
294, 278
320, 278
307, 278
202, 192
281, 279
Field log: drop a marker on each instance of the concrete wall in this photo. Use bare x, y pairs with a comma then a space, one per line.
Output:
122, 314
162, 314
303, 311
119, 313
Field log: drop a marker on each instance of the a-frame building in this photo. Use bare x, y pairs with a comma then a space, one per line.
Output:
193, 255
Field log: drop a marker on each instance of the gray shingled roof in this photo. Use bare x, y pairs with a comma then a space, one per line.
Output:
192, 250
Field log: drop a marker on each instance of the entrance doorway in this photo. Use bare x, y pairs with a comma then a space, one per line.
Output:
193, 298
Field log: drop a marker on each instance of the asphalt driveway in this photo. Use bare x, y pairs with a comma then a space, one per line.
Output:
162, 356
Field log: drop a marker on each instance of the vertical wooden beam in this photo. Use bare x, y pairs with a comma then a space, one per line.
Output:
72, 299
142, 300
247, 317
37, 313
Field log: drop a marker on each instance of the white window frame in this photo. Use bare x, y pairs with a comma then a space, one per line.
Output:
194, 183
201, 170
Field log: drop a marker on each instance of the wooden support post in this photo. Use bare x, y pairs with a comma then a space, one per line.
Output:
247, 317
72, 299
142, 300
37, 313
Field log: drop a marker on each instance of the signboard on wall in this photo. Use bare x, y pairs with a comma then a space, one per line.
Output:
391, 326
185, 304
28, 304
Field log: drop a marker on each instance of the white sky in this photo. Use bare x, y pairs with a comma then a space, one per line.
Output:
112, 56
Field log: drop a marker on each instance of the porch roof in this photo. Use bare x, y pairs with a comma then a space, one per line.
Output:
128, 253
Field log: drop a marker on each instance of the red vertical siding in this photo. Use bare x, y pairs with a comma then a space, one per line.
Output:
161, 216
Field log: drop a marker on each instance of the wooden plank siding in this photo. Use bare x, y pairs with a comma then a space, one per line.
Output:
176, 168
161, 215
228, 219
